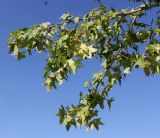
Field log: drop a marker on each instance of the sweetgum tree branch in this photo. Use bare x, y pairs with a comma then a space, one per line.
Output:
107, 35
141, 8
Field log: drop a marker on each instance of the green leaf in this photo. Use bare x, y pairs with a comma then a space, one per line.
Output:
113, 13
142, 35
61, 114
68, 126
109, 101
147, 71
131, 37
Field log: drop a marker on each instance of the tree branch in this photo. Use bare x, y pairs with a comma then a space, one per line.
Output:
141, 8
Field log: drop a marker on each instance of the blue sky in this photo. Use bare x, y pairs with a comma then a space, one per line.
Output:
28, 111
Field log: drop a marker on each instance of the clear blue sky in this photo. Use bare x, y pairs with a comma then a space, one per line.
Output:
28, 111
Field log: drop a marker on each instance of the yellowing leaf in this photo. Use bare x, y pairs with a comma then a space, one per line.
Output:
15, 52
86, 84
66, 16
92, 50
48, 83
87, 51
76, 20
73, 65
158, 58
157, 31
127, 70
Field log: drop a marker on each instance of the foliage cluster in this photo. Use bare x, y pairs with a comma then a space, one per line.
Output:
115, 38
